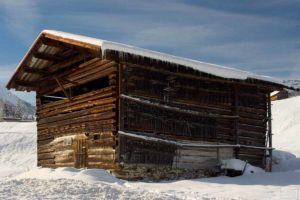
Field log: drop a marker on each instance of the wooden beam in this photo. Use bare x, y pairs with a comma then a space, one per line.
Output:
270, 130
73, 42
62, 88
47, 57
81, 47
26, 83
236, 121
65, 63
31, 70
63, 45
69, 81
54, 43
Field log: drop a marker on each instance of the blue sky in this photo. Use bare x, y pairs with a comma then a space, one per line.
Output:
258, 36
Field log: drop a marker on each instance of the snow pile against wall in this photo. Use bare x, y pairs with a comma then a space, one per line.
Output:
286, 124
17, 147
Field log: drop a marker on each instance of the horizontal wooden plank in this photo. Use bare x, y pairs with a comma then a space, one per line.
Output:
48, 161
102, 165
95, 73
82, 119
109, 106
80, 98
64, 159
109, 142
45, 156
72, 106
101, 151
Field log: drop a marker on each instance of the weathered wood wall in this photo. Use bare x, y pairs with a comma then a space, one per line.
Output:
236, 113
82, 132
79, 132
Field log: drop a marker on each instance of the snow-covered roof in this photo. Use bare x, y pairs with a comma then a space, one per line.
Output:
274, 92
209, 68
103, 46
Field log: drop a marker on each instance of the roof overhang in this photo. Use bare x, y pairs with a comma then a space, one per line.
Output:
46, 56
49, 53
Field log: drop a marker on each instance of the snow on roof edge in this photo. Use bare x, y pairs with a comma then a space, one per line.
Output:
217, 70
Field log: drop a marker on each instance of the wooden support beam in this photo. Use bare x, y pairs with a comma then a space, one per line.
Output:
66, 63
236, 121
69, 81
49, 41
270, 131
47, 57
31, 70
54, 43
27, 83
62, 88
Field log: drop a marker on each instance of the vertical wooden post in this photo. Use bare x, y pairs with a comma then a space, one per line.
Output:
236, 121
270, 132
120, 123
38, 104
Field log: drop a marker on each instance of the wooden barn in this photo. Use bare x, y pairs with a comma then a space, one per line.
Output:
139, 113
279, 95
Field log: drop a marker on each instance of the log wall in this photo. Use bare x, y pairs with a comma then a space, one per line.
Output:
79, 132
220, 100
82, 131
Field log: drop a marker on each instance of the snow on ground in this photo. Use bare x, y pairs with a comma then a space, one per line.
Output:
17, 147
286, 124
20, 179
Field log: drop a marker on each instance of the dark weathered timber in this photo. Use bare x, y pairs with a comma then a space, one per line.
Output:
47, 57
270, 128
38, 71
236, 121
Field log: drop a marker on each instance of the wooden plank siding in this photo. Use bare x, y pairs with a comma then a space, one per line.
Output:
82, 131
79, 132
158, 85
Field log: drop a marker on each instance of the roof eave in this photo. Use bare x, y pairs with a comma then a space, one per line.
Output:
45, 34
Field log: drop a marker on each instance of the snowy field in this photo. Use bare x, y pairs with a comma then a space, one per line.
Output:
20, 179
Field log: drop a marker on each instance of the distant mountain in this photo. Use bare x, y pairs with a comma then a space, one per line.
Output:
292, 83
13, 107
295, 87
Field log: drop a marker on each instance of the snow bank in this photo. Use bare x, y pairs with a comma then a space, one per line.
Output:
18, 127
285, 161
282, 156
286, 125
86, 175
17, 147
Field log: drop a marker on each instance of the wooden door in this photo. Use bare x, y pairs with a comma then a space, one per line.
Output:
81, 153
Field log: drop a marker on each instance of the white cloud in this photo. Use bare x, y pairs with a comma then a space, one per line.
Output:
222, 37
21, 18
